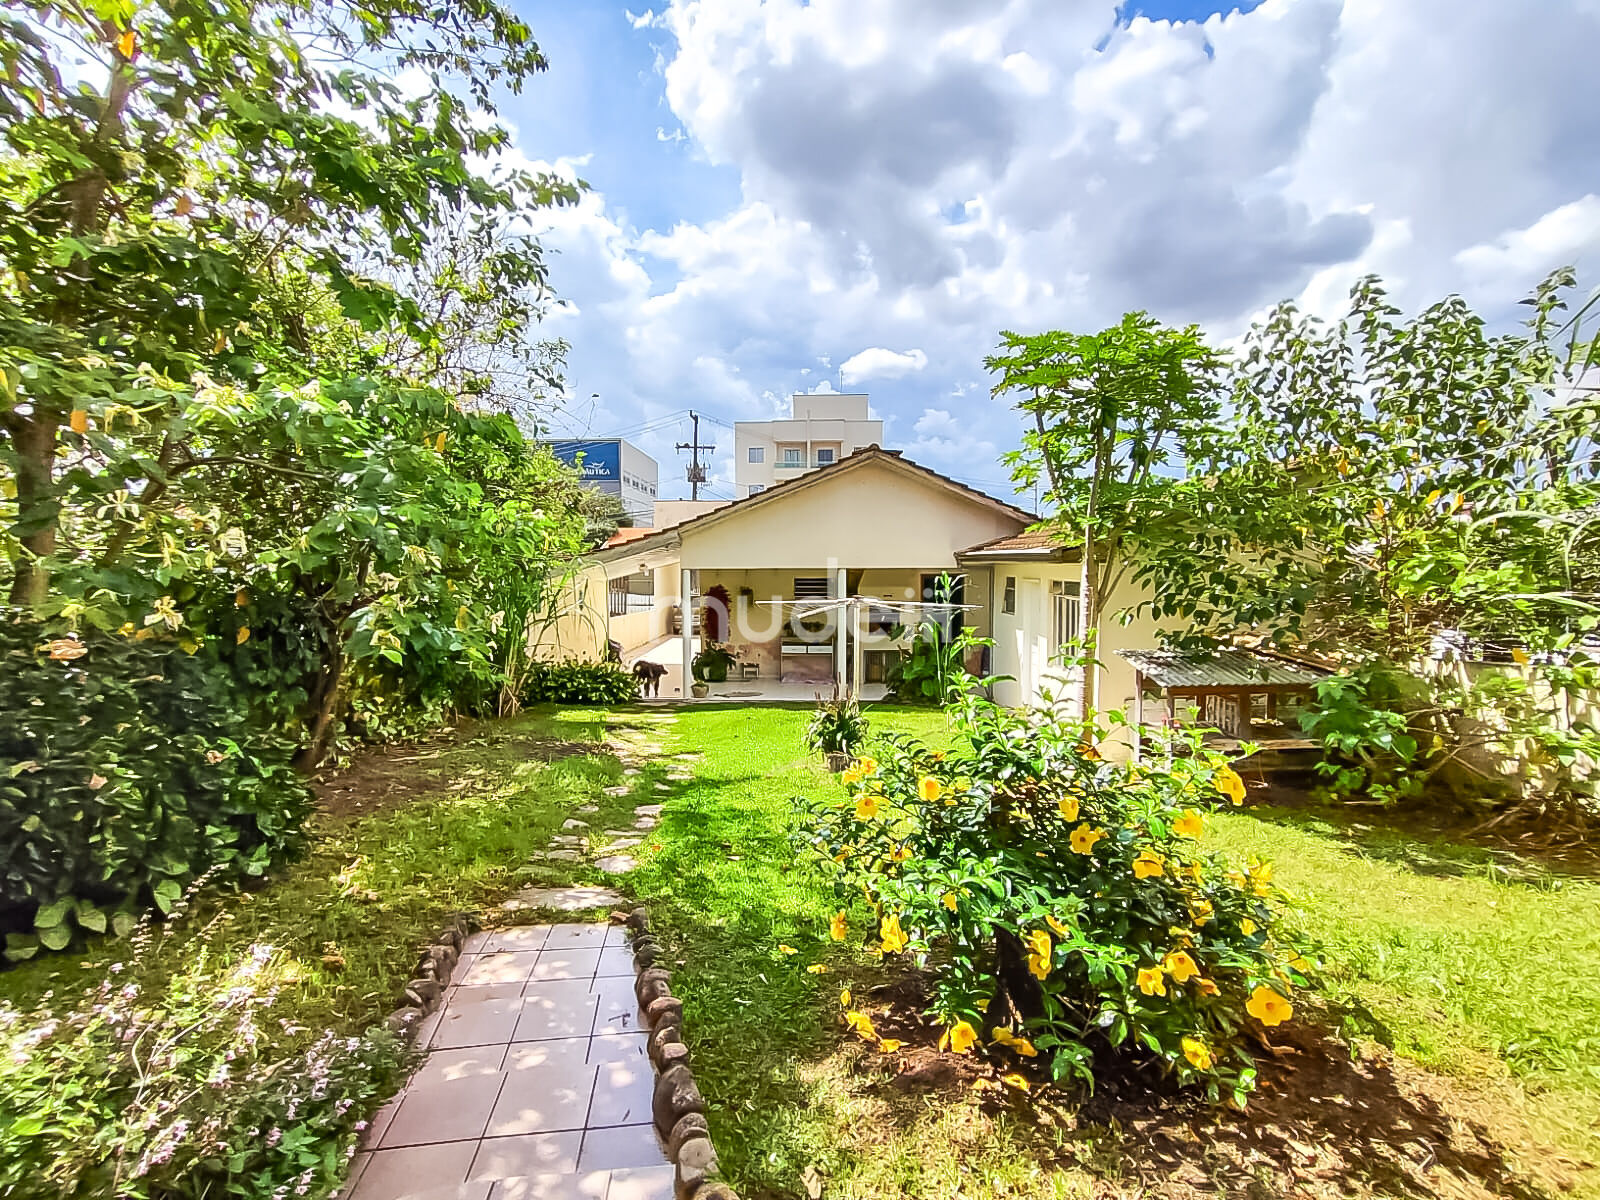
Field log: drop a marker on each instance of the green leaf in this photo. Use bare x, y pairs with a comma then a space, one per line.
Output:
51, 915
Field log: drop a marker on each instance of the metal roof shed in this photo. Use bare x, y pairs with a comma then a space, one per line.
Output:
1221, 684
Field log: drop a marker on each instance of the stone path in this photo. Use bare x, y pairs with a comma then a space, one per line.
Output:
536, 1086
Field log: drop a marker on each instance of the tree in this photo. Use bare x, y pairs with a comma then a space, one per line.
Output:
1113, 414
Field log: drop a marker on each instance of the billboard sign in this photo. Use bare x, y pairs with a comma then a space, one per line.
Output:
602, 461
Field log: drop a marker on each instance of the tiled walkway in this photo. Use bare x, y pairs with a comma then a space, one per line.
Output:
536, 1086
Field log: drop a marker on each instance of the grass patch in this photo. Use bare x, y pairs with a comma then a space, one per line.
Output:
1460, 964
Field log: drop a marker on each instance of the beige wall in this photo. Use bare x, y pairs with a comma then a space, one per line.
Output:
675, 512
577, 628
1022, 648
873, 516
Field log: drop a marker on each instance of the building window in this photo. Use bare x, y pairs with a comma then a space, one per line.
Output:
794, 456
1065, 613
1008, 598
824, 457
631, 594
811, 587
758, 454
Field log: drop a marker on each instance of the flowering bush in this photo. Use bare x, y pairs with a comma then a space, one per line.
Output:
193, 1089
1066, 903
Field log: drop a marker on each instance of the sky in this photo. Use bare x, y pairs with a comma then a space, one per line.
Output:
860, 194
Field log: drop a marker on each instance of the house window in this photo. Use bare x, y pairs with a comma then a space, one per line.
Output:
794, 456
810, 587
1066, 619
1008, 598
758, 454
824, 457
631, 594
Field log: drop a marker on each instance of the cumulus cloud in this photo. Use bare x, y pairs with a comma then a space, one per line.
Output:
877, 363
925, 173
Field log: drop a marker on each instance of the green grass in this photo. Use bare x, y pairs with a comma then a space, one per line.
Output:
1463, 964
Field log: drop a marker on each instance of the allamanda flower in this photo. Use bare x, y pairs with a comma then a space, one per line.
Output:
960, 1037
1268, 1006
1068, 805
1151, 982
1148, 864
862, 1024
1040, 950
867, 765
839, 926
1021, 1045
1190, 825
1083, 839
929, 789
1198, 1053
868, 805
893, 937
1060, 929
1180, 966
1227, 782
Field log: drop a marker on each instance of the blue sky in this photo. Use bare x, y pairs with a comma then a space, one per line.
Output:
781, 190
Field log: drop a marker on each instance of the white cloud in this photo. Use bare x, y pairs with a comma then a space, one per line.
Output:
925, 173
878, 363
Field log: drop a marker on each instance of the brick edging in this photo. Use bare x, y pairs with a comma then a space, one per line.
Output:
432, 975
678, 1108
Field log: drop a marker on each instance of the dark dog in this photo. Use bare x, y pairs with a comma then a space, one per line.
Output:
649, 676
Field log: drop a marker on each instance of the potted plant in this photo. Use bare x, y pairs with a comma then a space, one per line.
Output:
837, 729
710, 666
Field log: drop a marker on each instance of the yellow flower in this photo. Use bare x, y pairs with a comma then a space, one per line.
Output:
1061, 930
1148, 864
1180, 966
1268, 1006
242, 636
1260, 876
1021, 1045
844, 998
900, 853
1227, 782
1201, 910
1247, 926
1190, 825
868, 804
930, 789
960, 1037
1039, 956
817, 969
1069, 808
889, 1045
1301, 963
1198, 1053
1207, 988
839, 926
1084, 838
1194, 872
850, 775
949, 900
1151, 982
862, 1024
867, 765
786, 950
893, 937
1016, 1081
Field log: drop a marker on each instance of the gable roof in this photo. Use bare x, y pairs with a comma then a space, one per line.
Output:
1029, 545
779, 492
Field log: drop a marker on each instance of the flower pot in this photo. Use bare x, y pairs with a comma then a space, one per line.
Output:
838, 761
699, 690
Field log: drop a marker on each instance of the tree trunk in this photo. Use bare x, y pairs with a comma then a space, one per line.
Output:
34, 438
1020, 997
324, 710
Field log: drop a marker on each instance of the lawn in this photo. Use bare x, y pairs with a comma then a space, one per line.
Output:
1478, 972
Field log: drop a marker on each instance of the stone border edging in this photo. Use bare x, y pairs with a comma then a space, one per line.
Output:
677, 1107
432, 976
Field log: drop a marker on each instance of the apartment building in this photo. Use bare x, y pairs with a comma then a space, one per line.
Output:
821, 429
617, 468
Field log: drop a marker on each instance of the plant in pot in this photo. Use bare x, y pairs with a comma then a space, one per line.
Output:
837, 729
710, 666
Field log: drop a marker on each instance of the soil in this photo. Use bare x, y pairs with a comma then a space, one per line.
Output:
1326, 1121
383, 778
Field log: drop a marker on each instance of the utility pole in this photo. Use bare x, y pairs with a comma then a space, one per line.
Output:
697, 473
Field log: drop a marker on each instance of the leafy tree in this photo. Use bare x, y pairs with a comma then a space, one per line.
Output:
1113, 415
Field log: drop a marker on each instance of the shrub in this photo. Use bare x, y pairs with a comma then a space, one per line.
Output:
189, 1089
712, 663
837, 727
1066, 903
576, 682
127, 768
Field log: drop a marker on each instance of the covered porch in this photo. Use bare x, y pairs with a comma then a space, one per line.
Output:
668, 652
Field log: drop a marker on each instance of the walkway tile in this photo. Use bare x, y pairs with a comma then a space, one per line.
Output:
523, 937
593, 1186
450, 1110
541, 1100
513, 966
565, 963
477, 1022
527, 1154
577, 937
571, 1053
617, 1009
629, 1146
616, 1047
391, 1174
556, 1008
470, 1062
622, 1093
641, 1183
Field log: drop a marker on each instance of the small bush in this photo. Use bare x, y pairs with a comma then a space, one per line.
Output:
1066, 903
575, 682
195, 1089
127, 768
837, 727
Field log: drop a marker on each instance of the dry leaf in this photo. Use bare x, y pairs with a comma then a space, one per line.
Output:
127, 43
78, 421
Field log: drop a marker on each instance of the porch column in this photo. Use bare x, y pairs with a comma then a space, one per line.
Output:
856, 609
686, 603
840, 642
